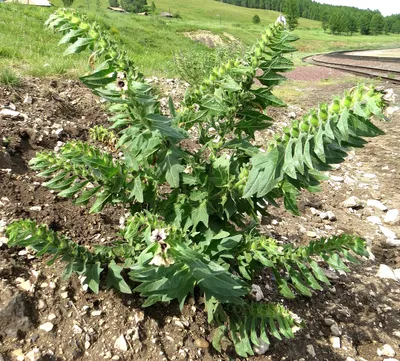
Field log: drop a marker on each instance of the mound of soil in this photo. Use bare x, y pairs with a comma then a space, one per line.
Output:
43, 317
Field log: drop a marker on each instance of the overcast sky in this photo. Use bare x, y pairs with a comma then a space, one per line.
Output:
386, 7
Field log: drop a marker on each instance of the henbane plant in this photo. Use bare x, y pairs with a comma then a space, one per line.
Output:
195, 210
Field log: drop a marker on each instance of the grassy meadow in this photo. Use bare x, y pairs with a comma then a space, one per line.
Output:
27, 48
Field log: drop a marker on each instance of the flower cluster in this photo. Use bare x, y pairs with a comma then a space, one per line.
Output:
161, 258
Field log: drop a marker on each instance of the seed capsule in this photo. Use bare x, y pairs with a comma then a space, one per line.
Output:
313, 120
304, 126
75, 20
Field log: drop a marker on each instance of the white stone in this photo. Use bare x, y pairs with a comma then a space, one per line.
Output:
393, 242
262, 347
8, 113
120, 343
335, 341
64, 295
392, 217
329, 321
35, 208
397, 273
331, 216
386, 272
388, 232
350, 359
25, 286
95, 313
47, 327
34, 355
336, 331
311, 351
257, 293
323, 215
139, 316
352, 202
386, 350
369, 175
76, 329
390, 359
336, 178
52, 316
376, 204
374, 220
18, 355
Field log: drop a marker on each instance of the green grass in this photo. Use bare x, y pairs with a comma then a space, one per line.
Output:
30, 49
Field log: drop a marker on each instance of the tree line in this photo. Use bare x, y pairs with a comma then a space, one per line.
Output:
335, 19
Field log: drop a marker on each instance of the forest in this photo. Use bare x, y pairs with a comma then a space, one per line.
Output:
335, 19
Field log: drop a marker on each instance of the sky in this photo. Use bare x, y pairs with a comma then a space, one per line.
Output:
386, 7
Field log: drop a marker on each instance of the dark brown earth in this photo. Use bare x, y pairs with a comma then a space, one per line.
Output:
365, 307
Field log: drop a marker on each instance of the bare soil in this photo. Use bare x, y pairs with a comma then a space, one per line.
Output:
86, 326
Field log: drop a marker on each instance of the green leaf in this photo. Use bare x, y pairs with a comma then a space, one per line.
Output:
343, 123
101, 200
115, 280
172, 167
289, 165
290, 194
218, 334
319, 145
137, 190
71, 36
200, 214
265, 173
80, 45
71, 191
86, 195
92, 275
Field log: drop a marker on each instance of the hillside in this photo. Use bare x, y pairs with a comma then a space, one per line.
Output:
28, 47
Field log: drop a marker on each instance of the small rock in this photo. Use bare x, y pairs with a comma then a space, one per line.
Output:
393, 242
120, 343
311, 351
323, 215
34, 355
374, 220
397, 273
35, 208
336, 178
87, 345
350, 359
201, 343
292, 115
9, 113
18, 355
392, 217
386, 272
139, 316
256, 292
64, 295
25, 286
336, 331
76, 329
95, 313
386, 350
387, 232
47, 327
41, 305
51, 317
329, 321
352, 202
262, 347
335, 341
331, 216
28, 99
311, 234
390, 359
376, 204
369, 175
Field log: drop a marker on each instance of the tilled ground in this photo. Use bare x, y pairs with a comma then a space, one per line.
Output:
351, 319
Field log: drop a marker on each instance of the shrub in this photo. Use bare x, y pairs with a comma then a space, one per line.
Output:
256, 19
134, 6
192, 65
194, 212
113, 3
67, 3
